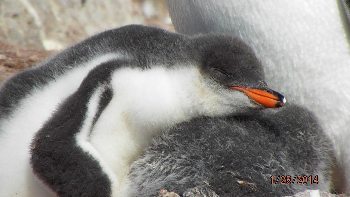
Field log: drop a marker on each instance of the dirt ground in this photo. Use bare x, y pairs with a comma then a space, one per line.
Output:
14, 58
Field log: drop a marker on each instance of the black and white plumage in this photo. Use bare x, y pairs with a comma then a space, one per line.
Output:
237, 156
79, 119
57, 157
303, 47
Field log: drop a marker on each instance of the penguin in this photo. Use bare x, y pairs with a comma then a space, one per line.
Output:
72, 125
303, 47
255, 153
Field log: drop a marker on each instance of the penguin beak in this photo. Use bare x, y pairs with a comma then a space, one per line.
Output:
265, 97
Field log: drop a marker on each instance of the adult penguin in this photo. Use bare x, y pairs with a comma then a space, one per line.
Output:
81, 117
304, 49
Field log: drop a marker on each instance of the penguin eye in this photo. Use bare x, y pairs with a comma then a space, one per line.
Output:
219, 73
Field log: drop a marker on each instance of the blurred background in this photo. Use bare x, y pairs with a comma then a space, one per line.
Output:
31, 30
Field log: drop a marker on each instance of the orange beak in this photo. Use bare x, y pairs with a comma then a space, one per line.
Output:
267, 98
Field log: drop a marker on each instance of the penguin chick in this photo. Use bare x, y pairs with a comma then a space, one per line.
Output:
250, 154
81, 117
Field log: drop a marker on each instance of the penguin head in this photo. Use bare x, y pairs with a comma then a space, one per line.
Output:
231, 70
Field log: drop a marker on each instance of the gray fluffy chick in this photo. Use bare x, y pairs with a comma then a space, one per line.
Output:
237, 156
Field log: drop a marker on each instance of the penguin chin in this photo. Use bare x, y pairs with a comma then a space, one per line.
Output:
229, 102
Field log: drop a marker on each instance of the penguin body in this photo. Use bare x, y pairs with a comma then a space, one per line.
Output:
79, 119
249, 154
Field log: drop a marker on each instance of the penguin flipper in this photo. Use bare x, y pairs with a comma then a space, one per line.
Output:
61, 155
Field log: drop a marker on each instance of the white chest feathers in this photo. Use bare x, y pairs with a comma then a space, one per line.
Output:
144, 103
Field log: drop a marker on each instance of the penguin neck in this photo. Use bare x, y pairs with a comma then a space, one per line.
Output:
159, 97
154, 99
